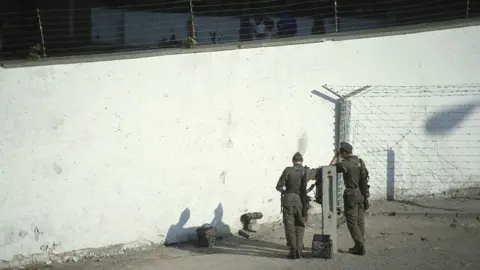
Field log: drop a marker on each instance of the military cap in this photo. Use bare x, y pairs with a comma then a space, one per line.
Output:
346, 146
297, 157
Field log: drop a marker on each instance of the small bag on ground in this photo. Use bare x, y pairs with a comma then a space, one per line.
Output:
206, 235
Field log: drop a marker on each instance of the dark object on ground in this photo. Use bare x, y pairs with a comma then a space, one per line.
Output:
250, 225
322, 246
249, 219
207, 236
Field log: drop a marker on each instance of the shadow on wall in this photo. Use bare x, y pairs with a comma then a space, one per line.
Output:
390, 175
178, 233
324, 96
227, 243
446, 121
217, 221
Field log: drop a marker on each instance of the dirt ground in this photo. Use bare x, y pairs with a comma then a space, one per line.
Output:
430, 234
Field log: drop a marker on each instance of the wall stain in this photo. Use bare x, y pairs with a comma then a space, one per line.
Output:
44, 247
22, 233
230, 143
303, 143
37, 233
57, 168
223, 177
57, 123
229, 119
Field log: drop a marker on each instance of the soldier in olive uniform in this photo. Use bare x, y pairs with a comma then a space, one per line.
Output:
292, 185
354, 201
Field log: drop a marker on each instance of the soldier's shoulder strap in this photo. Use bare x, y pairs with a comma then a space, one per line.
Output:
305, 171
362, 163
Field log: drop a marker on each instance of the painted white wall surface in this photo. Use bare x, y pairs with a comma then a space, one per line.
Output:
95, 154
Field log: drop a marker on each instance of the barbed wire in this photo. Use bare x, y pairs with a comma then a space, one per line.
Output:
166, 7
425, 161
159, 6
165, 25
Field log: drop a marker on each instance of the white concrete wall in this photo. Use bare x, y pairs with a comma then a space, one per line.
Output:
102, 153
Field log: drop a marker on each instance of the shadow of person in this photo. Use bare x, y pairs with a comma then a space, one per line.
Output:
227, 243
177, 233
217, 222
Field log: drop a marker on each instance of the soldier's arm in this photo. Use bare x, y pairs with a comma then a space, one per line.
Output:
282, 180
311, 187
312, 175
340, 166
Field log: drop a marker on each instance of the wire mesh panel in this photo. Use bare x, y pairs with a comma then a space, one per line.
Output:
418, 140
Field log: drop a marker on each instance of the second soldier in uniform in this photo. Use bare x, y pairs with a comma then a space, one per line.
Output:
292, 185
355, 197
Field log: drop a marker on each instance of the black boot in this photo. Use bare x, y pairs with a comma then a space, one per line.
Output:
292, 255
354, 248
359, 250
298, 255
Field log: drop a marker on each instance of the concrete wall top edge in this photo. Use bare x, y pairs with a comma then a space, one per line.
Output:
363, 34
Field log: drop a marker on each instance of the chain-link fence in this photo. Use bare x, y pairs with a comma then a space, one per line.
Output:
415, 140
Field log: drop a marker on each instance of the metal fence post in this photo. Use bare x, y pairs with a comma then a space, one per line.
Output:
343, 108
336, 16
342, 134
41, 33
467, 9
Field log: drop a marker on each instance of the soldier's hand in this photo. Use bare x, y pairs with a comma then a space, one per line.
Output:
366, 204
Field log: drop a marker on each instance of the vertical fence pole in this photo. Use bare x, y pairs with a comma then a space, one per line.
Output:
192, 31
336, 16
338, 125
3, 25
41, 33
343, 108
342, 133
192, 25
71, 18
467, 9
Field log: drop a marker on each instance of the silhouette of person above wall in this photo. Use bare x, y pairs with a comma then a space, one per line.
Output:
246, 29
269, 27
287, 25
217, 221
318, 27
177, 232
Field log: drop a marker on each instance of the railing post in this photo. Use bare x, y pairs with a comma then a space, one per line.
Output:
342, 124
336, 17
41, 33
467, 9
